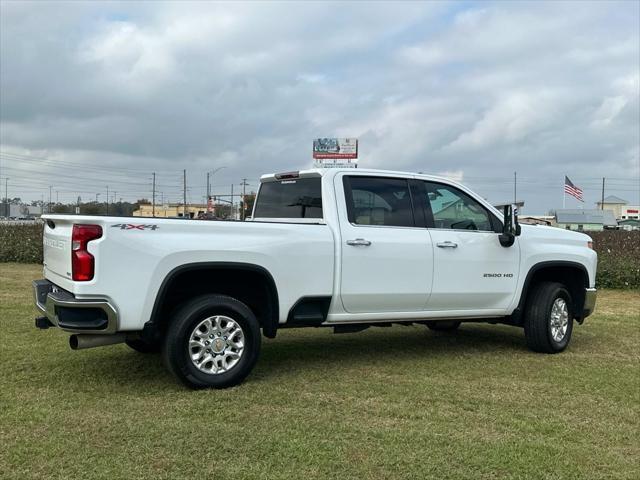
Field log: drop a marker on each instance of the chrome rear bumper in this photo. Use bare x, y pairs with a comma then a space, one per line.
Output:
73, 315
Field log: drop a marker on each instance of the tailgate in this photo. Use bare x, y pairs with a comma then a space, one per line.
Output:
57, 248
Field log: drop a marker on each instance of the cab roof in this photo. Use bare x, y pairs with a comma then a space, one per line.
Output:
321, 172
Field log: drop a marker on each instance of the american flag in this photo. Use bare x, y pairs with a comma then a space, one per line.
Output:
572, 190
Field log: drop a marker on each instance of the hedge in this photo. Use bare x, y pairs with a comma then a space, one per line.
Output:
618, 252
618, 258
21, 242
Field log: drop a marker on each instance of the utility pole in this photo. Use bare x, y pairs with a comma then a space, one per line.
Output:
6, 196
107, 199
210, 176
233, 213
50, 189
78, 205
184, 177
97, 195
244, 192
153, 203
602, 202
515, 187
208, 190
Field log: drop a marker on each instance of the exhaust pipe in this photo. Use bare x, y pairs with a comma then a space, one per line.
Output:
82, 341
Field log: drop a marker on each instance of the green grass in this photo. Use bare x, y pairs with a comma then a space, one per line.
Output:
394, 403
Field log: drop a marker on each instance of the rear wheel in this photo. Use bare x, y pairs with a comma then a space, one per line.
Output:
213, 342
548, 321
448, 326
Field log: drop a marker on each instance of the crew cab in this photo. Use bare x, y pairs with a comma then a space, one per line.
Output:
341, 248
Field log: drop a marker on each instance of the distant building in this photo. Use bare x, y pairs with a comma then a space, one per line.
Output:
33, 210
630, 212
20, 211
620, 208
630, 224
538, 220
586, 220
170, 210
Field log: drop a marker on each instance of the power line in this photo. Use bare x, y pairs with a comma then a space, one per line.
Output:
70, 162
82, 179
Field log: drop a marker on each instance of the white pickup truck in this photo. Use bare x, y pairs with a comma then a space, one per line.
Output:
340, 248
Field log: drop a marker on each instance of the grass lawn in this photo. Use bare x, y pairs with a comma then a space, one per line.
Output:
395, 403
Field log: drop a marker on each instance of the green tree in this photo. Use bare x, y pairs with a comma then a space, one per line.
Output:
62, 208
247, 204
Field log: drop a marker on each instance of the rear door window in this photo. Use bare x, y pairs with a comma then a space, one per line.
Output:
379, 201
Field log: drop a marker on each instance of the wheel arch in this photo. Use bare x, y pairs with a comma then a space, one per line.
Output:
249, 283
573, 275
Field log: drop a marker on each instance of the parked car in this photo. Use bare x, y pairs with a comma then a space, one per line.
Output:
340, 248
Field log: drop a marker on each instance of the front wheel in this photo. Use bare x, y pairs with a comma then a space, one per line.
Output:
548, 321
213, 342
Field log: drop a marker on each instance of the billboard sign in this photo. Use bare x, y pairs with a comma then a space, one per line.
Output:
335, 149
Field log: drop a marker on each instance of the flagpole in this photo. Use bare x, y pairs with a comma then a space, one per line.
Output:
564, 193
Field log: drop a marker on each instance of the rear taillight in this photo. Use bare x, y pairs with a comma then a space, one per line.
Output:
82, 262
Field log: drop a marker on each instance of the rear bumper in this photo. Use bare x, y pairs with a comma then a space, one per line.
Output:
590, 296
73, 315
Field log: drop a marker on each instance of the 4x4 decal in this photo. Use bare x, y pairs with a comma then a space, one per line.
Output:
134, 226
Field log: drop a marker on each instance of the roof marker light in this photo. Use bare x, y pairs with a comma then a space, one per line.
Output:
287, 175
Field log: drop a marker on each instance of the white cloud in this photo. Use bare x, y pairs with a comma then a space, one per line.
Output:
479, 88
456, 175
512, 119
608, 110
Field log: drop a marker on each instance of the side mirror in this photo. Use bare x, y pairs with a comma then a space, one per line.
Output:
511, 227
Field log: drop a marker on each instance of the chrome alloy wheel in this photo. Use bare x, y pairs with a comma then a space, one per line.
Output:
216, 344
559, 319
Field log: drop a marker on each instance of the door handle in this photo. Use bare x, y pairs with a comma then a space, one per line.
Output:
447, 244
359, 242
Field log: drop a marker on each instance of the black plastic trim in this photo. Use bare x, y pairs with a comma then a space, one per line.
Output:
309, 311
517, 313
43, 323
81, 318
271, 325
421, 210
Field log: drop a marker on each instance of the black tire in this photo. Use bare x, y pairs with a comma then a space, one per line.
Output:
448, 326
142, 346
537, 318
176, 351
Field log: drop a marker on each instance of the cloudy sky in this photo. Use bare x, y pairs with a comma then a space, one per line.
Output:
102, 94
